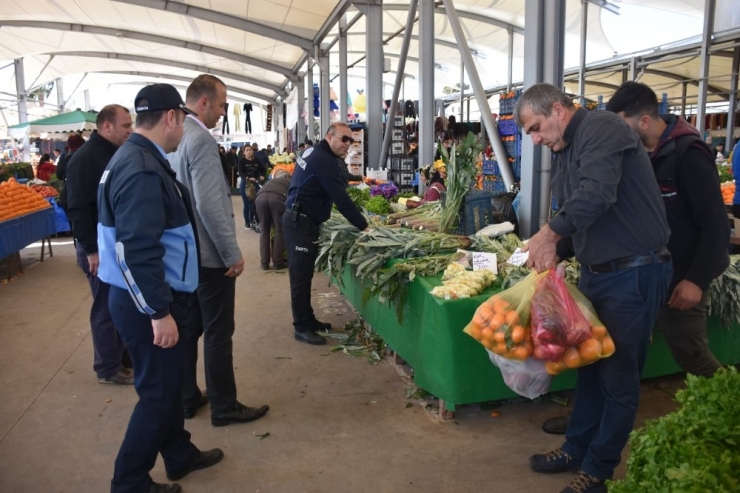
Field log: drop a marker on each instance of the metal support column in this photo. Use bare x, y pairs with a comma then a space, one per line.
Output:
633, 69
343, 68
374, 81
544, 22
732, 106
20, 89
59, 84
426, 82
480, 94
398, 83
325, 106
510, 60
86, 94
310, 134
462, 89
582, 66
300, 136
706, 43
684, 86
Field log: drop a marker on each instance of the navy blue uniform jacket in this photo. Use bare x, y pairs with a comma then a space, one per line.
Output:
318, 182
145, 236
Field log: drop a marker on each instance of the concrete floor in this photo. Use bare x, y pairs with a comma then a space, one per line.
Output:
336, 424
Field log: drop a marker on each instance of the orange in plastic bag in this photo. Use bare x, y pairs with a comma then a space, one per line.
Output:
578, 338
501, 323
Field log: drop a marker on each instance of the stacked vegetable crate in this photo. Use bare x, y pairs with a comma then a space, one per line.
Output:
402, 165
512, 139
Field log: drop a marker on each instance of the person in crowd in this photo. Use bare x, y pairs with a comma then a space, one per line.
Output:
224, 161
260, 155
603, 179
232, 157
85, 169
301, 148
269, 150
74, 142
148, 245
720, 153
435, 187
57, 155
686, 173
317, 183
251, 171
309, 143
211, 314
270, 207
45, 168
736, 173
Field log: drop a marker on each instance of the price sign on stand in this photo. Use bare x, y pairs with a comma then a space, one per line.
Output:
483, 260
518, 258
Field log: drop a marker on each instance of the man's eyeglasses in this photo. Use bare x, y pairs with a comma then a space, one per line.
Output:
346, 138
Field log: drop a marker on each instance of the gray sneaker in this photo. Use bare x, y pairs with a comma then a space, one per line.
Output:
123, 377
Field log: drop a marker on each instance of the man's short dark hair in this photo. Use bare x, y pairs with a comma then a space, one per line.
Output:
149, 119
309, 142
203, 85
109, 113
301, 146
634, 99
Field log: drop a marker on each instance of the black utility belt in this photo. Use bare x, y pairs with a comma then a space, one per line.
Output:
660, 256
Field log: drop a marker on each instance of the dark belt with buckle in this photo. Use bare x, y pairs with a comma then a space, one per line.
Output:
659, 256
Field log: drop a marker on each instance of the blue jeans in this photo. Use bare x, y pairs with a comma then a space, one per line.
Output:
248, 210
608, 391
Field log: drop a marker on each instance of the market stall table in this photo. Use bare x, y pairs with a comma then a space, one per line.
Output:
452, 366
19, 232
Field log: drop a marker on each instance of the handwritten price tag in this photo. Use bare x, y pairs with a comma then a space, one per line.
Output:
519, 258
485, 261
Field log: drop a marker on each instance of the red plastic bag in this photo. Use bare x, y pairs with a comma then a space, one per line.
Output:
557, 321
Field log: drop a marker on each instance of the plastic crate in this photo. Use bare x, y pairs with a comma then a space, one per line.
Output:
497, 186
402, 178
490, 167
506, 105
513, 147
508, 127
476, 211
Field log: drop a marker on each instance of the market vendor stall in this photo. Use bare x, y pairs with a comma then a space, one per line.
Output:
19, 232
452, 366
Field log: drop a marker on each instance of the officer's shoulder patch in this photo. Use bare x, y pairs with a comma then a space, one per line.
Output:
307, 152
104, 177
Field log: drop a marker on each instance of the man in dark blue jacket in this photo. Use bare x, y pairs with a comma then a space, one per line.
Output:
317, 184
149, 256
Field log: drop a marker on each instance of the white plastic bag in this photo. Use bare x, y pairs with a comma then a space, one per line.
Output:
527, 378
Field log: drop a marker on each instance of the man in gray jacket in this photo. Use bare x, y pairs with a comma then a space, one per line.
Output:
198, 167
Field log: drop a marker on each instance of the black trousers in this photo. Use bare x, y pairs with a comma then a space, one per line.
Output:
108, 350
248, 123
300, 241
157, 424
211, 315
225, 126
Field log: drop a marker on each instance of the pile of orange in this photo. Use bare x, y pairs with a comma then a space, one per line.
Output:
17, 200
599, 345
499, 328
728, 191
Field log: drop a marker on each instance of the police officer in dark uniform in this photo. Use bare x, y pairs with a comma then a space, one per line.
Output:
317, 183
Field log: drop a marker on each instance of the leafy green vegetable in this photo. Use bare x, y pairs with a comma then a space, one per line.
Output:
461, 173
359, 197
378, 205
724, 294
694, 449
725, 173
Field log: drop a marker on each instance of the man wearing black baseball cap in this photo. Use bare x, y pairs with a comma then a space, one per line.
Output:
149, 256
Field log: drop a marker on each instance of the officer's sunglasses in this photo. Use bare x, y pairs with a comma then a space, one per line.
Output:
346, 138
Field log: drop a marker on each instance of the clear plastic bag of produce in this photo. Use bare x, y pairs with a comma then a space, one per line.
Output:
566, 333
528, 378
501, 323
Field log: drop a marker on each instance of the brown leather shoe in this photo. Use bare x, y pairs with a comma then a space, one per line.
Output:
556, 425
123, 377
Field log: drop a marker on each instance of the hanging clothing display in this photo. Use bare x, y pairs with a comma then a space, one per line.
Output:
225, 126
237, 118
409, 109
268, 124
316, 102
360, 102
247, 119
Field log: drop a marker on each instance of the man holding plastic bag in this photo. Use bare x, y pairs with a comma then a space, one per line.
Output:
612, 218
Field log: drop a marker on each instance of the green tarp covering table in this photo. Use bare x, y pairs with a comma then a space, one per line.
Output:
452, 366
